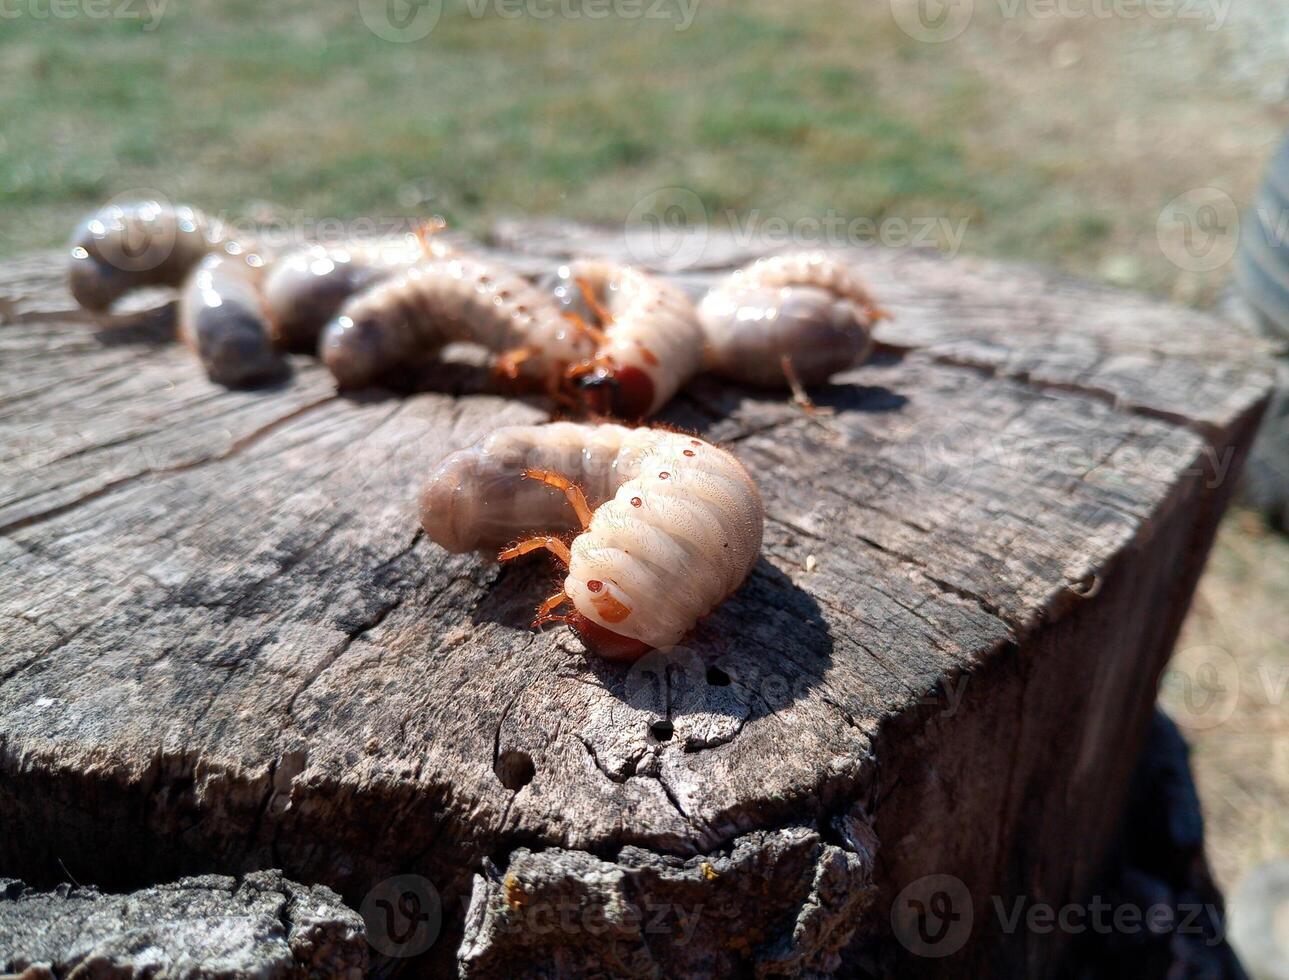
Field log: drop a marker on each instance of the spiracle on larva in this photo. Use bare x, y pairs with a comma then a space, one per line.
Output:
124, 247
648, 338
803, 314
666, 524
223, 321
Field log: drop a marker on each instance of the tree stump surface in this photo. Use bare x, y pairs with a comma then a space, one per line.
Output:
226, 645
262, 926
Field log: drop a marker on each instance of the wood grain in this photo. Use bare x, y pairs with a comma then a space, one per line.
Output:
225, 645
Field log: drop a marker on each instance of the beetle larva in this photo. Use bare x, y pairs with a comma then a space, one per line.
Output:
667, 525
807, 307
649, 344
223, 320
127, 246
307, 286
462, 298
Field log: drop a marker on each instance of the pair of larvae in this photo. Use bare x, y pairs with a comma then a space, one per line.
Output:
611, 339
598, 336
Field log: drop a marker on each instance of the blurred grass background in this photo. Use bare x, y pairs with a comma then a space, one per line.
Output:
1056, 139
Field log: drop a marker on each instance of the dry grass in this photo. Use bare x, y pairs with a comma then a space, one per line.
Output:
1228, 688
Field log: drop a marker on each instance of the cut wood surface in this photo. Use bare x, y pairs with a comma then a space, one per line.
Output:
226, 645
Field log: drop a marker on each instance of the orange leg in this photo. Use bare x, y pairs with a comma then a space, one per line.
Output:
799, 395
554, 545
595, 333
508, 362
599, 362
429, 245
546, 611
556, 389
576, 498
588, 296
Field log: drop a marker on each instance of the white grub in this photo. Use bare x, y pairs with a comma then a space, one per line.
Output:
222, 319
306, 286
124, 247
462, 298
806, 307
648, 339
665, 524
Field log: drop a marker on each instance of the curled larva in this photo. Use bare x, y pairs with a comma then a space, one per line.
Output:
128, 246
667, 525
307, 286
648, 338
223, 321
439, 301
805, 312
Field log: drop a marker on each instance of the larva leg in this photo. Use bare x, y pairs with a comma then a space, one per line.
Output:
602, 312
507, 364
576, 499
555, 388
546, 611
800, 397
429, 234
554, 545
595, 334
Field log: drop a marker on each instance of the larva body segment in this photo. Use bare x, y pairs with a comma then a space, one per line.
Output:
223, 321
124, 247
672, 524
807, 307
306, 286
440, 301
651, 341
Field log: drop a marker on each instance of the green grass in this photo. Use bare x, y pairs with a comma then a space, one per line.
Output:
250, 109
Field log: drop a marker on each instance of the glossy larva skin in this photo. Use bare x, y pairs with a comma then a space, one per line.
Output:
222, 320
439, 301
307, 286
654, 332
807, 306
124, 247
676, 524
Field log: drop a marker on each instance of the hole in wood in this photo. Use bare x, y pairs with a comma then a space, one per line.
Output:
662, 730
717, 677
515, 769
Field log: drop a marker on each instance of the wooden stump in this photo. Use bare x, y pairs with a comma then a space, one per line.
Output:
226, 645
262, 926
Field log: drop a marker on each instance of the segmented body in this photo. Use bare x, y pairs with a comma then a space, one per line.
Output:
223, 321
651, 341
675, 523
306, 287
124, 247
439, 301
808, 307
